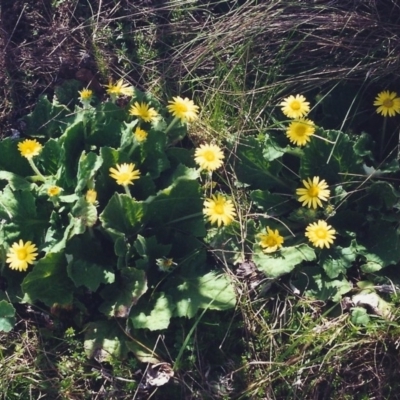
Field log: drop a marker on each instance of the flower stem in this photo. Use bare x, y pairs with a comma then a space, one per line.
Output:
173, 122
37, 172
127, 191
382, 139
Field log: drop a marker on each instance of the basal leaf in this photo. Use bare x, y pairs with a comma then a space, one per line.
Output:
7, 316
11, 159
15, 181
120, 296
105, 341
49, 157
337, 260
192, 290
88, 165
272, 204
123, 215
91, 275
47, 119
253, 169
156, 315
284, 261
359, 316
48, 282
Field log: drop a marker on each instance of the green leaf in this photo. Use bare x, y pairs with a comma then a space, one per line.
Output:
84, 213
192, 290
272, 204
15, 181
343, 160
179, 206
381, 196
87, 168
49, 157
150, 248
382, 243
123, 215
284, 261
252, 169
156, 315
47, 119
124, 293
7, 316
49, 282
73, 142
337, 260
11, 159
359, 316
105, 341
272, 150
88, 274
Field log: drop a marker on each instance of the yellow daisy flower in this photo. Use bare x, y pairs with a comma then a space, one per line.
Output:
388, 104
91, 196
295, 106
29, 148
300, 131
165, 264
21, 254
143, 111
125, 174
313, 192
140, 135
53, 191
184, 109
271, 241
119, 89
86, 96
219, 210
209, 157
320, 234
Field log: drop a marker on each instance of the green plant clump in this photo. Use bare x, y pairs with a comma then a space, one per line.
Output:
102, 214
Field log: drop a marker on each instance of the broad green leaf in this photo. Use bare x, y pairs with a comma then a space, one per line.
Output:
48, 282
150, 154
253, 169
179, 206
156, 313
192, 290
7, 316
11, 159
49, 157
15, 181
120, 296
382, 196
336, 260
343, 160
103, 125
91, 275
317, 285
382, 243
149, 247
47, 119
273, 204
359, 316
73, 142
272, 150
123, 215
284, 261
105, 341
84, 213
87, 168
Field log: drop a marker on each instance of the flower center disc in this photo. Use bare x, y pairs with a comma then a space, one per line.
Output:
219, 209
295, 105
271, 242
301, 130
209, 156
313, 192
320, 233
388, 103
21, 254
